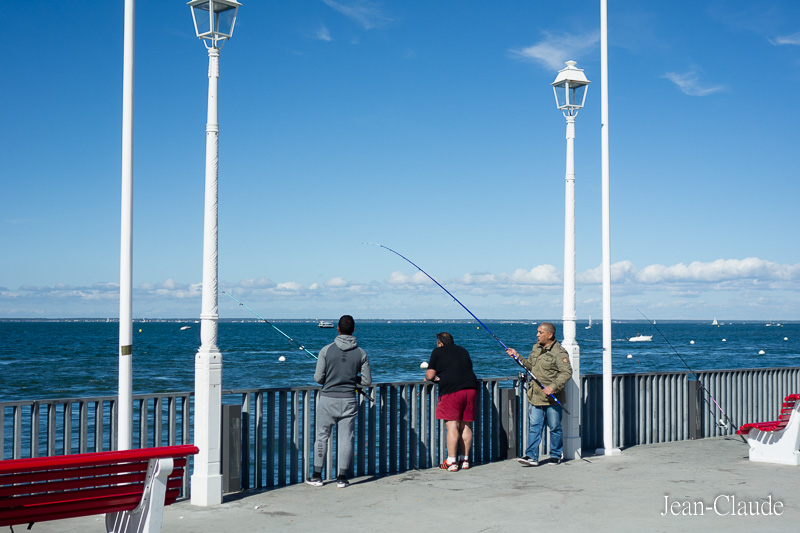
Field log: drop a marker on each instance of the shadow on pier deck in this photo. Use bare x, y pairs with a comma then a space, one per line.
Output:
627, 492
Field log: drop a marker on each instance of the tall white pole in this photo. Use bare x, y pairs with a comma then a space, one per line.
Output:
125, 398
207, 476
571, 423
608, 440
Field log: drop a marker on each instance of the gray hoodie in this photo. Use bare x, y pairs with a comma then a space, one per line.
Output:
339, 365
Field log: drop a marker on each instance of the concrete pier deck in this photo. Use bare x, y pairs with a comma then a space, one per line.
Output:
658, 487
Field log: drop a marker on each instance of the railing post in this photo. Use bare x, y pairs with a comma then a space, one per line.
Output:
695, 404
507, 448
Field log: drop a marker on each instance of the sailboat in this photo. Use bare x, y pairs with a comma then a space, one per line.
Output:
590, 323
715, 323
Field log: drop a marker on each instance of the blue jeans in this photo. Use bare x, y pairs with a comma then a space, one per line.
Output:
538, 415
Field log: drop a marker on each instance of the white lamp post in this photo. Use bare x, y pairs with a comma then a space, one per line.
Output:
608, 438
125, 403
570, 92
213, 21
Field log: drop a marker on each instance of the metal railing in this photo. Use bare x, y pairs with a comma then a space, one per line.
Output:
671, 406
395, 433
399, 431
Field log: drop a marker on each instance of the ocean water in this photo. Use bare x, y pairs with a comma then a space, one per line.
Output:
60, 359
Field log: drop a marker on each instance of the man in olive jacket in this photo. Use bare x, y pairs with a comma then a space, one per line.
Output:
549, 362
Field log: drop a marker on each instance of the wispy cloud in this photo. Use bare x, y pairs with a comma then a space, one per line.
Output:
689, 84
553, 51
786, 39
323, 34
658, 285
367, 14
749, 270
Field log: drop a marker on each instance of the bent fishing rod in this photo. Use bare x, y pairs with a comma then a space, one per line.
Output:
276, 328
703, 387
529, 373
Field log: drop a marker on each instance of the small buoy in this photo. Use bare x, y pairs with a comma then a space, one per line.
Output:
761, 352
691, 342
724, 340
282, 359
630, 356
140, 331
423, 364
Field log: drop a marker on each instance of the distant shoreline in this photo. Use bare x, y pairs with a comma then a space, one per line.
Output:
392, 321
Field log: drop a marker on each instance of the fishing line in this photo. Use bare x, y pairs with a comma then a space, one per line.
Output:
529, 373
702, 387
300, 346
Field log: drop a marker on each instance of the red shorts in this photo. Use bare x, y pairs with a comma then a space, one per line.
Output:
459, 405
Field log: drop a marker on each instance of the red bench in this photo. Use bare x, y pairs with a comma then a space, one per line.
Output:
780, 423
776, 441
131, 487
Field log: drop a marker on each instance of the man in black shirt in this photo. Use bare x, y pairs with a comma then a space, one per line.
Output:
451, 367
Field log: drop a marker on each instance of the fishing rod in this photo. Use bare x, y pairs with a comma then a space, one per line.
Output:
276, 328
529, 373
703, 387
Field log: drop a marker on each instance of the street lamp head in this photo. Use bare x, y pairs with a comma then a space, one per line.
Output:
570, 88
214, 20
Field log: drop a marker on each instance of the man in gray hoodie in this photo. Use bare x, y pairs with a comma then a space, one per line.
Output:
341, 366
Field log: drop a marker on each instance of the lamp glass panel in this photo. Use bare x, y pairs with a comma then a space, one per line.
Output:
577, 94
561, 95
202, 18
224, 19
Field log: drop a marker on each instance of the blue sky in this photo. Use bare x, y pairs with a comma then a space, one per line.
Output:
427, 126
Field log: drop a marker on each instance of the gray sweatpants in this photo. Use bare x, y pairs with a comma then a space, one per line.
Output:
342, 412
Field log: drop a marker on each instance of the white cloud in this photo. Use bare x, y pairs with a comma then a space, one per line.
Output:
553, 51
689, 84
336, 282
750, 269
681, 288
323, 34
478, 279
540, 275
291, 286
786, 39
398, 278
367, 14
260, 283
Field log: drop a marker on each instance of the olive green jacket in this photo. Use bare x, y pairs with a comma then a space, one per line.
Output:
550, 364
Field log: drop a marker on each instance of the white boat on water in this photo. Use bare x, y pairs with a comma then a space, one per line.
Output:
184, 328
590, 323
325, 324
715, 323
641, 338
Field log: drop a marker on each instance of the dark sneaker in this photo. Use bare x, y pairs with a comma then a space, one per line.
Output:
315, 480
527, 461
342, 482
554, 461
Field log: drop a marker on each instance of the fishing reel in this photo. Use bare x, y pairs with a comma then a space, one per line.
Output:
524, 378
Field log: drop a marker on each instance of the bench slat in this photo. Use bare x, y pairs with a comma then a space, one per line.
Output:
57, 511
56, 488
108, 471
36, 464
32, 501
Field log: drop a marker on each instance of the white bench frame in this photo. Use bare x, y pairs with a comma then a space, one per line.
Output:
779, 446
148, 515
